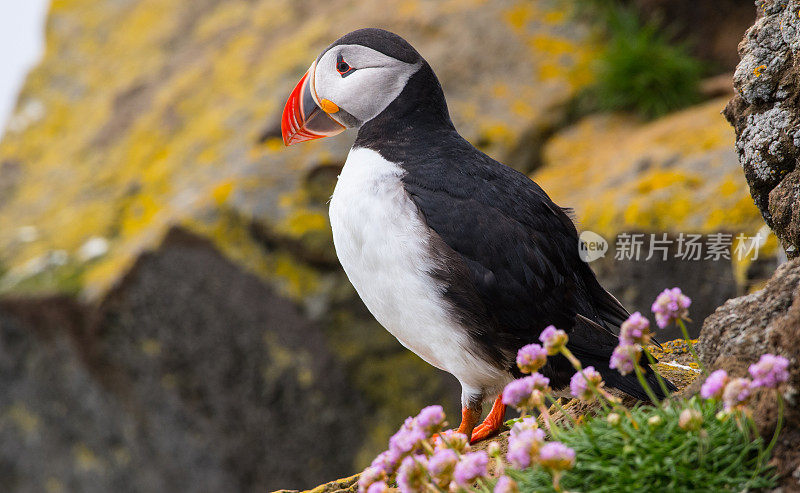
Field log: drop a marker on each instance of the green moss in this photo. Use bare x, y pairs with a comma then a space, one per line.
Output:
629, 457
639, 69
67, 279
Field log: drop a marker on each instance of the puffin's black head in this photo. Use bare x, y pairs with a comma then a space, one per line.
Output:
351, 82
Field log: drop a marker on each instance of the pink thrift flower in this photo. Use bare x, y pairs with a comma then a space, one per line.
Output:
737, 392
553, 339
523, 447
430, 419
379, 487
770, 371
581, 383
531, 358
556, 456
441, 466
370, 476
539, 382
471, 467
635, 330
407, 439
520, 393
714, 385
506, 485
387, 461
624, 357
671, 305
528, 423
412, 476
451, 439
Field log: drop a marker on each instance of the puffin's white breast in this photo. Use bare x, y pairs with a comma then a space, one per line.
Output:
382, 243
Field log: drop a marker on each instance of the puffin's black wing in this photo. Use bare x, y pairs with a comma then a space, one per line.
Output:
520, 248
511, 257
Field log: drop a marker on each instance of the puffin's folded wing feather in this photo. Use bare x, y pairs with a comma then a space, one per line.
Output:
521, 249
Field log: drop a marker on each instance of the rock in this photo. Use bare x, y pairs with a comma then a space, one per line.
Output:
675, 362
145, 394
163, 126
739, 332
677, 176
766, 115
59, 429
344, 485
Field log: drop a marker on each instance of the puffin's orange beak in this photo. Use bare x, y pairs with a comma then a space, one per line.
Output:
303, 118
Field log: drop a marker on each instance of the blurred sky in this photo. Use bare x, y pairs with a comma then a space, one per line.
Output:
21, 44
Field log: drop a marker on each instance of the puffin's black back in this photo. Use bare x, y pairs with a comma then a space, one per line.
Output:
510, 259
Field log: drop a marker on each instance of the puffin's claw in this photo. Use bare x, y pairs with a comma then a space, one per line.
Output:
493, 422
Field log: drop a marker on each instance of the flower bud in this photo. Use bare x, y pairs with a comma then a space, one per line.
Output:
690, 419
553, 339
531, 358
506, 485
654, 421
556, 456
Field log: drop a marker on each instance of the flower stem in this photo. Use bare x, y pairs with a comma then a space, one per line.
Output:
691, 346
764, 454
546, 418
571, 358
557, 480
661, 382
645, 385
778, 424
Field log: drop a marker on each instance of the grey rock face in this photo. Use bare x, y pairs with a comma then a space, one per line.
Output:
240, 393
637, 283
766, 115
739, 332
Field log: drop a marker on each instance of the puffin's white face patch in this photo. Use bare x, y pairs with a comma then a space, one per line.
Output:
364, 93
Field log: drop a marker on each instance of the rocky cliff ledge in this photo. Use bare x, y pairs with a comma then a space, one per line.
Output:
675, 363
766, 115
150, 218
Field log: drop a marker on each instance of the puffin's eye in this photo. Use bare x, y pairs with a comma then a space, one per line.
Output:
342, 67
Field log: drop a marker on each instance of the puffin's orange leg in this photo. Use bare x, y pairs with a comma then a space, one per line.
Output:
492, 423
469, 418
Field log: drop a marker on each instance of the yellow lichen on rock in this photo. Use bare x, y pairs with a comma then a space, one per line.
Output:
147, 114
676, 174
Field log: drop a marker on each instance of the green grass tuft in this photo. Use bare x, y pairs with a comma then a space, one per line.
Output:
664, 458
640, 69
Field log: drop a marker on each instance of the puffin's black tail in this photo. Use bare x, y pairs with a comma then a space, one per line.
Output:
593, 346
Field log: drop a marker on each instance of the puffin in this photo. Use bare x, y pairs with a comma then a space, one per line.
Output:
461, 258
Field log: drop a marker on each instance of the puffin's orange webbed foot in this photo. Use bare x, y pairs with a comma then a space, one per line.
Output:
493, 422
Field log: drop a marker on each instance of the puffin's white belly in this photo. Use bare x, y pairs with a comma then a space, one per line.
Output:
382, 243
